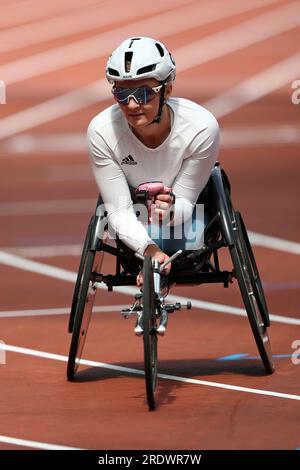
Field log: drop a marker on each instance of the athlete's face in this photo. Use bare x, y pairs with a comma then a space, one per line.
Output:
139, 115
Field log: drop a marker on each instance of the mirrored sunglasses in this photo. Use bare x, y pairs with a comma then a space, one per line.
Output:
141, 95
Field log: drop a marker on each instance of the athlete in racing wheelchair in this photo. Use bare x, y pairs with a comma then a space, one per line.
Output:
159, 152
225, 228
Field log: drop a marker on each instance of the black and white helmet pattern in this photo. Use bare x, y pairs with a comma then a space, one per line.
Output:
140, 57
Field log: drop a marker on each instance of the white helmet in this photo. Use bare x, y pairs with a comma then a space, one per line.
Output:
138, 58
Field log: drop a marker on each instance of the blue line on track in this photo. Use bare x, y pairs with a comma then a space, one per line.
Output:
243, 356
233, 357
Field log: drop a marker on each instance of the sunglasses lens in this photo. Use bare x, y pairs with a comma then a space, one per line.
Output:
142, 95
149, 94
122, 94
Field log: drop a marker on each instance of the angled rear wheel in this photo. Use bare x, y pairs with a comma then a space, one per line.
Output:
79, 276
83, 313
149, 333
250, 285
253, 270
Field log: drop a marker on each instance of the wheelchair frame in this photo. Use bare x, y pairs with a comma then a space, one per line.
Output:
225, 229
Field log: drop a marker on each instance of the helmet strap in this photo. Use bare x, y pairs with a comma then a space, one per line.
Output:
161, 104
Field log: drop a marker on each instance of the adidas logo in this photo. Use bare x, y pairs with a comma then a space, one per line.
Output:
128, 161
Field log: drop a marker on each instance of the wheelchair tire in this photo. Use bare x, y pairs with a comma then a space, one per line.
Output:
257, 284
79, 276
86, 299
250, 286
149, 333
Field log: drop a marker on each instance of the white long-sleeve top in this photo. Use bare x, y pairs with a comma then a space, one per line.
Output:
183, 161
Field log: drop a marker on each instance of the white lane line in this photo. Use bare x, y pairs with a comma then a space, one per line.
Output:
57, 206
87, 206
99, 91
256, 239
159, 25
36, 267
242, 35
55, 108
274, 243
69, 276
254, 136
57, 311
127, 370
96, 16
50, 251
240, 312
13, 14
256, 87
231, 137
45, 251
34, 444
199, 304
26, 144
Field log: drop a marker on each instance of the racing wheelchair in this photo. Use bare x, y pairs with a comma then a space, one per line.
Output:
224, 228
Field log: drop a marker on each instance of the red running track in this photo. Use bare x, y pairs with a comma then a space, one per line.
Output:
47, 194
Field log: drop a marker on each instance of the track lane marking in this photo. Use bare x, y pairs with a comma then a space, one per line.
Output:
98, 91
33, 11
55, 108
245, 356
79, 206
240, 36
199, 304
274, 243
256, 239
25, 145
50, 251
37, 267
57, 311
256, 87
159, 25
127, 370
69, 276
47, 207
89, 17
34, 444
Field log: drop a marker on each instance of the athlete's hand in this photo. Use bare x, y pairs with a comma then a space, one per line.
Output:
163, 204
155, 252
